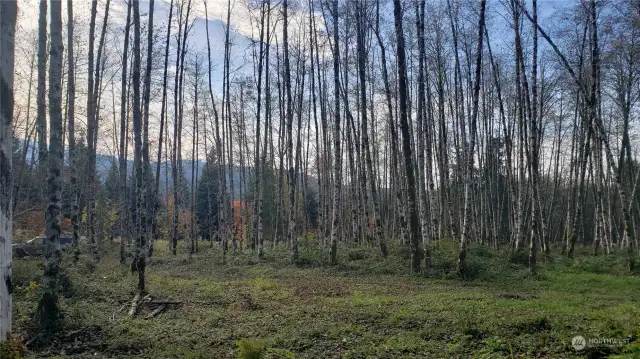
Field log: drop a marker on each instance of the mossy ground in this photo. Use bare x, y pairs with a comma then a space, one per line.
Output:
364, 307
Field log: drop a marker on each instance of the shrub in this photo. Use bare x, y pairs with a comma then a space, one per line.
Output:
357, 254
251, 349
12, 348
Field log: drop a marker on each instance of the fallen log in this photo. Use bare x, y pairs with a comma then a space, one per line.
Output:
134, 305
156, 311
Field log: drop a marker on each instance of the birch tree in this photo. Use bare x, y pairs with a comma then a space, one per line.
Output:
71, 100
291, 233
148, 193
406, 140
258, 172
360, 32
8, 12
41, 116
139, 221
90, 170
163, 109
122, 169
48, 311
220, 173
470, 154
336, 137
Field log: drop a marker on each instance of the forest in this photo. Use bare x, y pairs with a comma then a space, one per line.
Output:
319, 178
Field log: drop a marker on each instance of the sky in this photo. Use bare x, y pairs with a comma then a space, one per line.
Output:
242, 34
243, 31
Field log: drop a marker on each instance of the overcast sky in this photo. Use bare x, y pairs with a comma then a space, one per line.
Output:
243, 30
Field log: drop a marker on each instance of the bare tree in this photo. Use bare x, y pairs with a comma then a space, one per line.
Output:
90, 125
258, 172
406, 140
360, 35
149, 194
71, 100
162, 124
289, 116
122, 168
48, 311
336, 136
8, 12
470, 154
139, 221
220, 173
41, 117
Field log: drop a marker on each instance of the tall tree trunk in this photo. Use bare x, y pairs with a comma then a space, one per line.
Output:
138, 263
177, 172
422, 195
257, 207
414, 224
267, 139
48, 311
163, 115
365, 134
90, 173
41, 118
8, 13
337, 182
220, 172
122, 169
230, 229
150, 196
538, 221
290, 156
507, 138
522, 189
71, 91
194, 158
392, 127
468, 187
175, 234
92, 132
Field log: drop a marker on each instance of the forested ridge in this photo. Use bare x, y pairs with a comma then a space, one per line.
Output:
423, 134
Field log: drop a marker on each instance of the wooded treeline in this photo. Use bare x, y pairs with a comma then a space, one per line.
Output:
348, 121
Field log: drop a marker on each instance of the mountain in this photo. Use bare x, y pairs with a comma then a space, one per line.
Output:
104, 163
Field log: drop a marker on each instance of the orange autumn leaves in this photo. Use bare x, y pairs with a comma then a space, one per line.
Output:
241, 213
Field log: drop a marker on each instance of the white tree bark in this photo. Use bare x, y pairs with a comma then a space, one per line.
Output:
336, 138
139, 215
466, 228
41, 118
48, 306
71, 98
8, 10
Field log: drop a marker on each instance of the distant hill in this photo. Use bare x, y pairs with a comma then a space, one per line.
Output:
104, 163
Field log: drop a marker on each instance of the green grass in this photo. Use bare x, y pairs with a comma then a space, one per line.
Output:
364, 307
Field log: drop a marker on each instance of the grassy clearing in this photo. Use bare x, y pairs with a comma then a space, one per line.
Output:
364, 307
